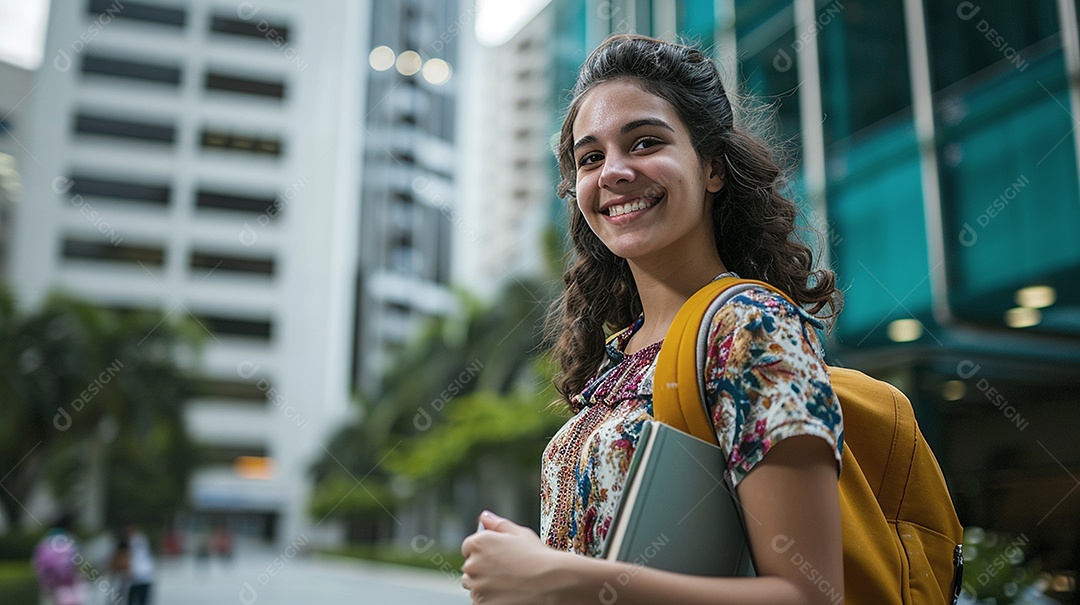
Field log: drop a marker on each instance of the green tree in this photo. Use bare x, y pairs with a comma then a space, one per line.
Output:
92, 402
469, 385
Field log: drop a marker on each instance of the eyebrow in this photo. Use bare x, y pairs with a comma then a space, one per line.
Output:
628, 127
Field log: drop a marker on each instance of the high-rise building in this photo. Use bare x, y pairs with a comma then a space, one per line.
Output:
201, 158
409, 212
510, 173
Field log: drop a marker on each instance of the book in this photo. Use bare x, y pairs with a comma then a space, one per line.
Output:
676, 511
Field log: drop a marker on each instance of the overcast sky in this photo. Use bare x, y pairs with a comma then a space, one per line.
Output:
22, 26
22, 31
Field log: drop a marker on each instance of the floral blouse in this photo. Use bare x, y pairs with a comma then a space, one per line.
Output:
765, 381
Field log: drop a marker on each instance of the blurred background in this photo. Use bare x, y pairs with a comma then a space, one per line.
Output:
274, 273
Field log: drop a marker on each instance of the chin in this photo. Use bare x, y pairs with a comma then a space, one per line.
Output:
632, 252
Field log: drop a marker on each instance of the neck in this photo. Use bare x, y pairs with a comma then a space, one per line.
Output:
664, 285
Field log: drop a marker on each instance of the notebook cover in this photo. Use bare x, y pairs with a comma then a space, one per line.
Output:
676, 512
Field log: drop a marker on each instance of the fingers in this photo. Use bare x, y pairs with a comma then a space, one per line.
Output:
468, 545
468, 584
492, 521
500, 525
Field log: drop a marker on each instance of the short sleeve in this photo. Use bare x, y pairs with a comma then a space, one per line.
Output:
766, 380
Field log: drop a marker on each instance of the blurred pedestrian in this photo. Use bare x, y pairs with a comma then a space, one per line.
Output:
55, 563
172, 545
221, 543
202, 547
120, 564
141, 568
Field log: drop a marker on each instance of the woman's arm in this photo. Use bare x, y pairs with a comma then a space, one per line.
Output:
792, 510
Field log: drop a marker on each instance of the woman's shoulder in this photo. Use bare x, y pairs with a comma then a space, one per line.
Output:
761, 309
759, 322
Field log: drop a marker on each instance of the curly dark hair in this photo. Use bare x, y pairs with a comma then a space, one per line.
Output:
753, 222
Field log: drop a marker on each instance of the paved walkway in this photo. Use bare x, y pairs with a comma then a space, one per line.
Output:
258, 578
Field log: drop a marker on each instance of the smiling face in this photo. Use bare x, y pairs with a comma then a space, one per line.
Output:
641, 186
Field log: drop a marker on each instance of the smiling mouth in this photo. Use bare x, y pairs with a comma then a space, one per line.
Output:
634, 206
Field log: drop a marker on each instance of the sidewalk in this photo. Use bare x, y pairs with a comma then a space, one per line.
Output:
257, 577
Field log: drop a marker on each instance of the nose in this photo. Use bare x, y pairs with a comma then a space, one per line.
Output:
617, 169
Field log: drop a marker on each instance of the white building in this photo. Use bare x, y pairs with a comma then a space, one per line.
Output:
203, 157
15, 85
509, 173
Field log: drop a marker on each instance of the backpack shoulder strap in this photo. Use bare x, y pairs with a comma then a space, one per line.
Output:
681, 360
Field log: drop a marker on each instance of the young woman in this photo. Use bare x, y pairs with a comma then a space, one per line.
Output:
666, 193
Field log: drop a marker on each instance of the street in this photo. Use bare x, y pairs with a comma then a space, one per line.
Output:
256, 578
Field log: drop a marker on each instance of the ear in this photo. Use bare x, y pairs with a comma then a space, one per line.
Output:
715, 180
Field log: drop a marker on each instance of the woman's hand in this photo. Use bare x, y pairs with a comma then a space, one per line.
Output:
508, 564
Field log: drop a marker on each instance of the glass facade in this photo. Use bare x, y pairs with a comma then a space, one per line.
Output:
767, 53
875, 202
1007, 159
953, 218
862, 44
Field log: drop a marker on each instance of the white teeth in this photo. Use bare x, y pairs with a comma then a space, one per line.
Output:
634, 206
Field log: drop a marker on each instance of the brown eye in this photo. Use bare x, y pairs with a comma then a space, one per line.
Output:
646, 143
589, 158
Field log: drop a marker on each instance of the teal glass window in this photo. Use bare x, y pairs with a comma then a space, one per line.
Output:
1010, 189
967, 37
765, 42
697, 21
864, 69
878, 234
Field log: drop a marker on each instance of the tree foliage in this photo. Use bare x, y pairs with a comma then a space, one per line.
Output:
82, 385
469, 385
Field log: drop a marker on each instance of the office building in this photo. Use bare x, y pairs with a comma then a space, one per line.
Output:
510, 173
409, 209
202, 158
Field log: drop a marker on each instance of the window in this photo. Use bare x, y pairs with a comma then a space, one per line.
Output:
398, 308
83, 249
137, 11
217, 139
402, 259
223, 454
968, 37
766, 44
132, 70
439, 120
857, 44
442, 249
223, 262
124, 129
231, 389
116, 189
403, 213
251, 86
250, 29
229, 201
233, 326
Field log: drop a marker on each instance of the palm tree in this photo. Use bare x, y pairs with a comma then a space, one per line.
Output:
84, 389
467, 392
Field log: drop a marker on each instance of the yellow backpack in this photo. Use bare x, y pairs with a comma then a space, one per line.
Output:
901, 535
